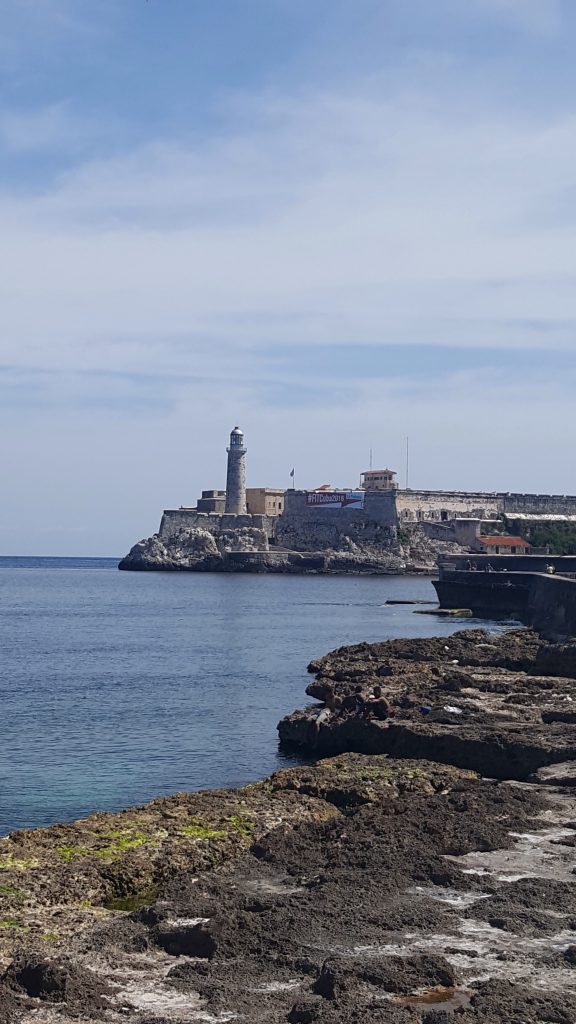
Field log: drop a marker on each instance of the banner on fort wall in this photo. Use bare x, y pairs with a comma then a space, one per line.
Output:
335, 499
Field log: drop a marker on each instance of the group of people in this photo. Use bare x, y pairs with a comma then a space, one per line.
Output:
374, 706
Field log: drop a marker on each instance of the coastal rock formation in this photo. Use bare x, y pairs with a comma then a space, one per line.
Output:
195, 549
503, 706
246, 550
198, 542
360, 889
418, 549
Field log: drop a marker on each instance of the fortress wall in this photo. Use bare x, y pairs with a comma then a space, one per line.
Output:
543, 504
455, 531
415, 506
311, 528
175, 520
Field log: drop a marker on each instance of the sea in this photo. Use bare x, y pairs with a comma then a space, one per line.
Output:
117, 687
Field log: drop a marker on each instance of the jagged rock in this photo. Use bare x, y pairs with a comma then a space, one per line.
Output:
189, 549
245, 538
57, 982
500, 717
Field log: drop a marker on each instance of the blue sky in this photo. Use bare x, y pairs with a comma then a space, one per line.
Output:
338, 223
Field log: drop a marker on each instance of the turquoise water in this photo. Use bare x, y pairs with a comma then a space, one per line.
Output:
116, 687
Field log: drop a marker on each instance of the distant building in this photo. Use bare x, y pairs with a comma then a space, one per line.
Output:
378, 480
497, 545
236, 475
265, 501
212, 501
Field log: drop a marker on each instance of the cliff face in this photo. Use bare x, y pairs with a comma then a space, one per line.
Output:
196, 549
303, 540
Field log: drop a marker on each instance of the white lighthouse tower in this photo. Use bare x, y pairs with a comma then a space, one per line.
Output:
236, 475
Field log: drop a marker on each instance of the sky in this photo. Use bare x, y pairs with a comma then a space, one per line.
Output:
336, 223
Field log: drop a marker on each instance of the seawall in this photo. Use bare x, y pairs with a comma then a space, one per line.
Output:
551, 607
547, 602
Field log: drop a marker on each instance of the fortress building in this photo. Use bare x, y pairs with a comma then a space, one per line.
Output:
378, 480
262, 529
236, 475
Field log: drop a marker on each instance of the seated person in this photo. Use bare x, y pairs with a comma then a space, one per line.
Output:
354, 701
332, 703
377, 706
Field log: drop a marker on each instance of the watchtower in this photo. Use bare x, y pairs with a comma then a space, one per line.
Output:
236, 475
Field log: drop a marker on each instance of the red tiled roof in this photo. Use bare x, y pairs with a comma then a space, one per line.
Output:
509, 542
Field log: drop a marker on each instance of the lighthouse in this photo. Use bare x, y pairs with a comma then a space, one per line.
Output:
236, 475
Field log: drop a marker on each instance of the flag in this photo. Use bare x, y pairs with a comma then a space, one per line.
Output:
292, 473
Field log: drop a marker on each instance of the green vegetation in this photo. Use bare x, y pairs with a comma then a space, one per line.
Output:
135, 902
69, 853
11, 863
243, 826
199, 831
202, 829
127, 839
559, 538
12, 923
13, 892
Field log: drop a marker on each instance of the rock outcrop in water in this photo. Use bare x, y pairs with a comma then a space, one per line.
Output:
362, 889
503, 706
243, 550
196, 542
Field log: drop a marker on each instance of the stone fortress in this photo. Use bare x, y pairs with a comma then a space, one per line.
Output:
376, 527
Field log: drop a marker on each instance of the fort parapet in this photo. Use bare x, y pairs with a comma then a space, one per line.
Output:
306, 526
442, 506
174, 520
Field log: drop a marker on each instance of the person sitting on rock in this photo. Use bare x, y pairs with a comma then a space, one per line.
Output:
354, 702
332, 703
377, 706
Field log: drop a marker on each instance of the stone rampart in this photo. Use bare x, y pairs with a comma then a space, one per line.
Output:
461, 531
539, 504
174, 520
305, 527
441, 506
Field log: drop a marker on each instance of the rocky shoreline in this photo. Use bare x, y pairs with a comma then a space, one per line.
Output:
502, 706
250, 550
430, 881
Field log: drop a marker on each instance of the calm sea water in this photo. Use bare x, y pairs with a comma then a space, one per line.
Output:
116, 687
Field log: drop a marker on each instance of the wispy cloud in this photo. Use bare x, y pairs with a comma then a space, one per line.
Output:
371, 217
395, 242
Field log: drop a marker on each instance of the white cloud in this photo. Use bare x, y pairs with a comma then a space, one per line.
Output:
375, 214
342, 218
